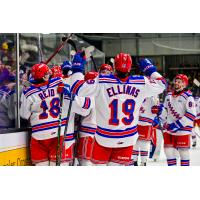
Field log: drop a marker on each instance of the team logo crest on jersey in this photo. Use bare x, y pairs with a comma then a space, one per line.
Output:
124, 65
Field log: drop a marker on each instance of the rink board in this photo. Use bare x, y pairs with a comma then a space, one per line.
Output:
14, 150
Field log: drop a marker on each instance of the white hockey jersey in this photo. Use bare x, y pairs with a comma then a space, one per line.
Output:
182, 108
88, 124
197, 105
84, 108
146, 116
117, 105
42, 106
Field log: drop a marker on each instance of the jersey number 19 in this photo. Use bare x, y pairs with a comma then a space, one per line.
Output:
128, 107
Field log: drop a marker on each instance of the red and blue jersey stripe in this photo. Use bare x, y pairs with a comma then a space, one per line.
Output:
190, 116
116, 133
76, 86
48, 125
145, 119
87, 103
89, 130
70, 136
30, 91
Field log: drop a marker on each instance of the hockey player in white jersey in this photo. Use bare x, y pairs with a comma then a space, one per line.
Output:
195, 130
88, 123
87, 130
118, 99
178, 114
105, 69
41, 104
145, 130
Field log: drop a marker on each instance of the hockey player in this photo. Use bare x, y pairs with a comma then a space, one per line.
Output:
179, 114
41, 104
105, 69
56, 71
87, 131
118, 99
145, 130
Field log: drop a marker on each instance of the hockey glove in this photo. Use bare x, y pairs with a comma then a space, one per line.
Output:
64, 89
146, 66
67, 65
78, 62
173, 127
157, 109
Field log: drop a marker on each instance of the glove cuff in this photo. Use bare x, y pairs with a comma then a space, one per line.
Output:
149, 71
75, 70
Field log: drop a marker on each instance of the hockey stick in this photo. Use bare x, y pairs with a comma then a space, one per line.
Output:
87, 50
40, 49
71, 42
59, 48
58, 155
197, 135
67, 123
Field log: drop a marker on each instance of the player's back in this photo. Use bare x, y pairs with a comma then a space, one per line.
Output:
117, 105
42, 104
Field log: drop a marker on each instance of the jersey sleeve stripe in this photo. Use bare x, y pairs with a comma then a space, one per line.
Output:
190, 116
30, 92
145, 119
76, 86
87, 103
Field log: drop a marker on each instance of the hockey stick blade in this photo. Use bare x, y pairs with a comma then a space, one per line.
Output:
95, 66
112, 60
71, 42
72, 52
196, 82
88, 51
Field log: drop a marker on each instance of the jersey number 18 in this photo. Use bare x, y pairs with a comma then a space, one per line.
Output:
54, 110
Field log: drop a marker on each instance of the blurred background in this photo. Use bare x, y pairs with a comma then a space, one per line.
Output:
172, 53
